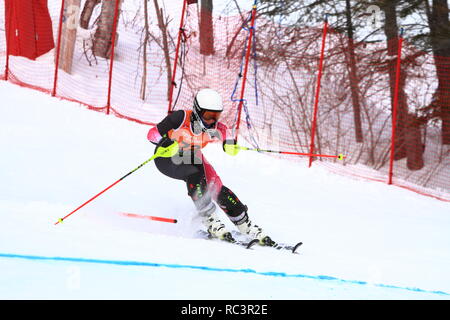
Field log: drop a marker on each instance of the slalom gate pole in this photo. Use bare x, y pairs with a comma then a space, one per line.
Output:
395, 106
58, 48
161, 219
175, 62
339, 156
247, 58
8, 32
316, 100
156, 155
111, 58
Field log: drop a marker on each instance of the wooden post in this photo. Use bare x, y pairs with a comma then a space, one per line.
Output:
70, 21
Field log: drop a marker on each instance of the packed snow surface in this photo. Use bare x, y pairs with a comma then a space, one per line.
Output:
362, 239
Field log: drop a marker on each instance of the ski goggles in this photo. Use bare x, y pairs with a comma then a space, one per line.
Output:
211, 115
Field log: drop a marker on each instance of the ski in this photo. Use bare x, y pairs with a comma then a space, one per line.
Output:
284, 246
268, 242
237, 238
245, 244
229, 239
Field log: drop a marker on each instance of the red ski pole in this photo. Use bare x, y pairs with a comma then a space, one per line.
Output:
160, 152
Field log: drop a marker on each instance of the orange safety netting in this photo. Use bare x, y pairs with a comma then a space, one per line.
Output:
354, 110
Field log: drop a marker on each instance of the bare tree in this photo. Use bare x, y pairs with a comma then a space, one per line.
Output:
438, 20
103, 35
162, 24
353, 74
206, 28
144, 55
86, 14
408, 135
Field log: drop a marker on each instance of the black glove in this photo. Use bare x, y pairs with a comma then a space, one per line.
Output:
165, 142
231, 147
228, 142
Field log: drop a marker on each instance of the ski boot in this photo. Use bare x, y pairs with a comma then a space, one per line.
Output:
216, 228
255, 232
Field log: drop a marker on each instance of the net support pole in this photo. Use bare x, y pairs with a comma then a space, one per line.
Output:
395, 106
8, 31
316, 99
58, 47
244, 76
111, 58
177, 50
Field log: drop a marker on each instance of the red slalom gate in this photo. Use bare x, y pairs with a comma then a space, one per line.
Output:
140, 216
177, 51
247, 58
395, 106
316, 103
111, 58
58, 48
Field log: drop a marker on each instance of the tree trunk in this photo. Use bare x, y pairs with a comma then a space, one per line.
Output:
415, 146
206, 28
354, 81
86, 14
408, 140
391, 31
144, 54
103, 35
440, 40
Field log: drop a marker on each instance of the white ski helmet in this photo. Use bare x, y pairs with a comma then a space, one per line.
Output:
206, 100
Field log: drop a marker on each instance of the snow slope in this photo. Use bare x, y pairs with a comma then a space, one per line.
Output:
362, 240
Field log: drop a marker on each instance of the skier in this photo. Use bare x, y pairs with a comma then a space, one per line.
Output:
183, 134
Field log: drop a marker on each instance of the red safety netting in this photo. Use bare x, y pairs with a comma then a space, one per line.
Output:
422, 150
268, 77
217, 63
88, 79
29, 61
2, 40
355, 106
